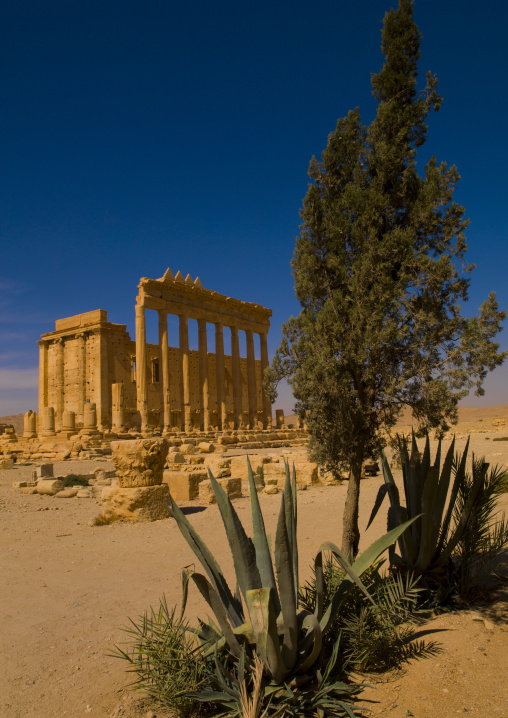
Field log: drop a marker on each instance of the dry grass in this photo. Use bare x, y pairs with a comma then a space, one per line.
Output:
105, 519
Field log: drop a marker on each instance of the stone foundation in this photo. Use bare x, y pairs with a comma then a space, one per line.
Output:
141, 503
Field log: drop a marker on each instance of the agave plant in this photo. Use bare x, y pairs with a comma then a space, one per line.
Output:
426, 547
262, 616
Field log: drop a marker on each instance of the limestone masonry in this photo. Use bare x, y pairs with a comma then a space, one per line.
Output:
94, 378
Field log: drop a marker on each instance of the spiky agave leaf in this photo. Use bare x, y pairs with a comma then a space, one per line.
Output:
233, 607
266, 634
242, 548
285, 579
212, 598
260, 541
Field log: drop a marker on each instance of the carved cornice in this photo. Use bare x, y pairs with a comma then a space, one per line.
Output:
176, 295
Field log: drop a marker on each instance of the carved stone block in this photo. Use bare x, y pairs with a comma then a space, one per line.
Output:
139, 462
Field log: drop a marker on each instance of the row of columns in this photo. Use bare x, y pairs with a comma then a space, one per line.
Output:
186, 417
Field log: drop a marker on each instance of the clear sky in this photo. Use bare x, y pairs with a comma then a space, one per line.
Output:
144, 135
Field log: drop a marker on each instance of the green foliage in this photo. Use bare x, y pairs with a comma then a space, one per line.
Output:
500, 438
374, 636
377, 271
454, 541
427, 547
75, 480
165, 657
477, 563
263, 617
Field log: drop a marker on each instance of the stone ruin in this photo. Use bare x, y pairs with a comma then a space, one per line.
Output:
103, 396
93, 377
96, 385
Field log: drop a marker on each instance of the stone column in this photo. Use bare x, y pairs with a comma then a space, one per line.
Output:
237, 380
29, 425
251, 380
48, 421
43, 378
267, 407
164, 369
203, 375
68, 421
81, 341
103, 393
220, 377
59, 382
141, 378
185, 414
118, 408
90, 418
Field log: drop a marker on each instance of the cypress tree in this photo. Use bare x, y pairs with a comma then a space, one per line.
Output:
379, 270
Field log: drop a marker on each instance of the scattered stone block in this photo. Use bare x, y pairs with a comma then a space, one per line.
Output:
140, 503
19, 484
184, 485
188, 448
50, 487
272, 489
196, 460
239, 464
6, 463
66, 494
44, 471
206, 448
232, 487
306, 473
84, 494
28, 490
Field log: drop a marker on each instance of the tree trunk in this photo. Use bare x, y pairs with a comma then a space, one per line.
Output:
350, 530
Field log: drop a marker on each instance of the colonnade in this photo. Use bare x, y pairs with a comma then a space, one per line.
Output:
204, 393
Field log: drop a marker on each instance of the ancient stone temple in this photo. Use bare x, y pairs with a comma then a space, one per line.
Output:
93, 377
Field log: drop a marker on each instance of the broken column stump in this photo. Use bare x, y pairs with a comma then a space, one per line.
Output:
140, 495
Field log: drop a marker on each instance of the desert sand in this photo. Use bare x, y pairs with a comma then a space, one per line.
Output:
69, 587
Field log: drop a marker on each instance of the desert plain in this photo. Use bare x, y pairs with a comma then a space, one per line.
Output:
68, 588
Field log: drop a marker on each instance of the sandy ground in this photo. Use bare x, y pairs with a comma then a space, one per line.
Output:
68, 587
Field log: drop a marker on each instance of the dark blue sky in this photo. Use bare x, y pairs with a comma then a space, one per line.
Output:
138, 136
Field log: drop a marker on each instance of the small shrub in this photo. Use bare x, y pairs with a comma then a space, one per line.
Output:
75, 480
373, 636
476, 561
500, 438
162, 652
105, 520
